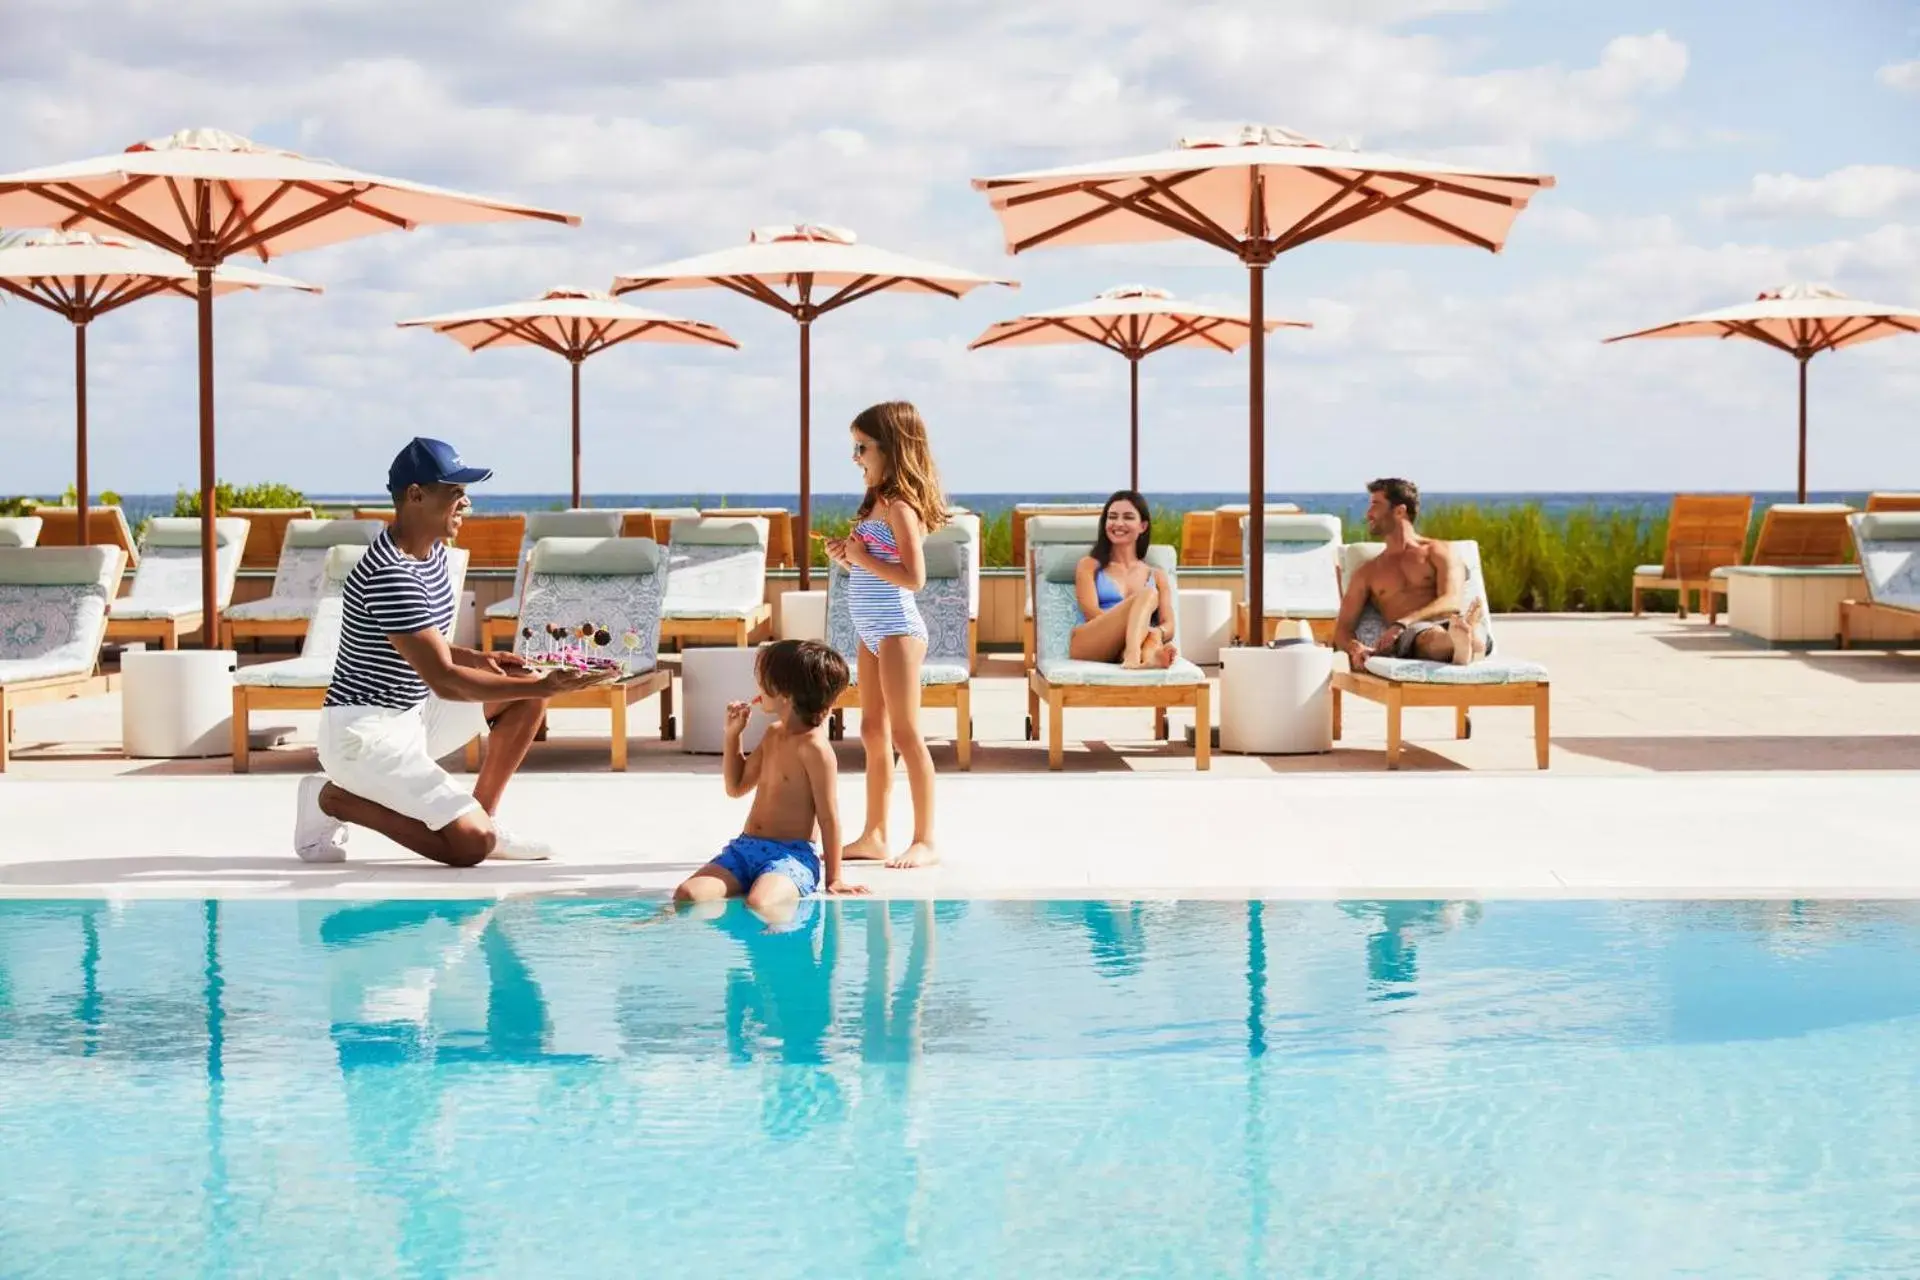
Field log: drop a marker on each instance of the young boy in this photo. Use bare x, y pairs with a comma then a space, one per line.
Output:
793, 777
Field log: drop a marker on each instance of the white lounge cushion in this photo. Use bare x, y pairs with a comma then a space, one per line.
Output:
289, 673
271, 609
1485, 671
1074, 671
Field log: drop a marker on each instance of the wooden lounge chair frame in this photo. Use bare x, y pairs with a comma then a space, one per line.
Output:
28, 693
1791, 535
1705, 531
1397, 695
1853, 611
107, 526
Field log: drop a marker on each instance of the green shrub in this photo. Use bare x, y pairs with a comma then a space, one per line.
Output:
18, 506
269, 495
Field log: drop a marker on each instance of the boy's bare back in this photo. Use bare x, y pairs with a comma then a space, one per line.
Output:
783, 805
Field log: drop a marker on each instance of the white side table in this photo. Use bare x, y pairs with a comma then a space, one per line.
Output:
1276, 701
710, 678
176, 703
803, 615
466, 631
1205, 625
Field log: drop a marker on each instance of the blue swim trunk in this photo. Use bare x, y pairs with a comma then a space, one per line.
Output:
747, 858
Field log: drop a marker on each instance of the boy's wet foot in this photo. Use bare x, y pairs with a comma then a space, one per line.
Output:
920, 853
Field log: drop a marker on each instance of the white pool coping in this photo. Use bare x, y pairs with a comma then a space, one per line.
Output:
1101, 836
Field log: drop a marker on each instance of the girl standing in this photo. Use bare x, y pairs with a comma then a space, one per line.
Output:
886, 564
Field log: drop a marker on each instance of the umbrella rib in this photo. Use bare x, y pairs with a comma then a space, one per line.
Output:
1748, 329
1455, 189
1139, 202
1344, 189
1009, 330
21, 291
249, 222
109, 210
757, 289
331, 204
1216, 233
180, 207
500, 330
853, 290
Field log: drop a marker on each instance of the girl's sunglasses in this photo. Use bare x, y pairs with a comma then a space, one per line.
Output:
860, 448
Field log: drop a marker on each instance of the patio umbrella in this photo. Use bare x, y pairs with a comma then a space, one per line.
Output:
1800, 319
1256, 195
209, 196
82, 277
803, 259
574, 324
1135, 321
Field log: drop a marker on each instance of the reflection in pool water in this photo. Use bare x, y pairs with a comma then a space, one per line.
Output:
570, 1087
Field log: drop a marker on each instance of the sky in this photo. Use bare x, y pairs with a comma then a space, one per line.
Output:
1702, 151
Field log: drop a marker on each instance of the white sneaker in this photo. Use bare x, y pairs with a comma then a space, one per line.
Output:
510, 847
316, 837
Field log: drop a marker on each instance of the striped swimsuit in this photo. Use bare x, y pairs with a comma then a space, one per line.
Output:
879, 608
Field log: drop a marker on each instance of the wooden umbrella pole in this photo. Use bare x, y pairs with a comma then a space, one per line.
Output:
1256, 454
574, 363
80, 426
1803, 428
1133, 379
209, 601
803, 552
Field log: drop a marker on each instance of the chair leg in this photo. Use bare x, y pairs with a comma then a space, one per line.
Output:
1336, 715
1159, 724
170, 640
1033, 715
617, 704
242, 749
1636, 602
6, 730
1203, 728
1461, 722
963, 726
1541, 727
1393, 729
666, 711
1056, 729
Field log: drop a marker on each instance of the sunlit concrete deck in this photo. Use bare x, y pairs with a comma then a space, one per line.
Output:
1683, 763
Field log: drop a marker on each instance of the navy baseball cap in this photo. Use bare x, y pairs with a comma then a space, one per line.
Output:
426, 461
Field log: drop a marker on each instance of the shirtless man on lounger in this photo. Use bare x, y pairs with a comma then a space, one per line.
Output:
1417, 586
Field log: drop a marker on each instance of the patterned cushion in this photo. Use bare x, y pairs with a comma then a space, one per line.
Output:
167, 583
271, 609
50, 630
628, 605
1073, 671
715, 580
945, 606
1889, 547
1485, 671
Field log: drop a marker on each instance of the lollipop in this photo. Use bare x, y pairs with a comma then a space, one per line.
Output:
631, 640
603, 637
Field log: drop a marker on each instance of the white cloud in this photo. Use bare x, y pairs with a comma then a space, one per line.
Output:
1902, 77
1857, 191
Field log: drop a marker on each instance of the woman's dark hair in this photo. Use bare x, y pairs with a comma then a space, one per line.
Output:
810, 674
1103, 546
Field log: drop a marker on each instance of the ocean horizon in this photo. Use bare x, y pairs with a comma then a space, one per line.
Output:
1349, 506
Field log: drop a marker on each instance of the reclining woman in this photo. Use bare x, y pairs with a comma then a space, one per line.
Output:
1127, 603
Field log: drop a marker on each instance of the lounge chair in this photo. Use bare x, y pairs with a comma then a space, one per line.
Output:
1705, 532
1026, 512
1230, 527
164, 602
1792, 535
637, 522
716, 580
780, 533
1061, 681
663, 518
383, 514
19, 531
53, 615
1889, 546
106, 527
960, 517
945, 676
1075, 531
1878, 502
492, 542
1196, 539
300, 684
500, 620
616, 583
1497, 680
1301, 564
266, 532
297, 581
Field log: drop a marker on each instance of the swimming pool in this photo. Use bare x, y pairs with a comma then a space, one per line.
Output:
579, 1088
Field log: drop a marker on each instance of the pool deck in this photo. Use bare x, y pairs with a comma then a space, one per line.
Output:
1684, 764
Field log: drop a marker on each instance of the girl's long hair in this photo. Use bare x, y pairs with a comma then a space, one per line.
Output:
901, 434
1103, 545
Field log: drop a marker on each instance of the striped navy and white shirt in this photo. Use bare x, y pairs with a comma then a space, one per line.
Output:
388, 593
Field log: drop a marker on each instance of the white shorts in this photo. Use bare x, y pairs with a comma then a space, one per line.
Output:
392, 757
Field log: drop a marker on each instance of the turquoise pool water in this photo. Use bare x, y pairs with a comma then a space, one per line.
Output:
576, 1088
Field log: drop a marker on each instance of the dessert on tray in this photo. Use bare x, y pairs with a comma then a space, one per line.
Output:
582, 647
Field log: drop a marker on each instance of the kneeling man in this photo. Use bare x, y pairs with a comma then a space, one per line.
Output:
1417, 586
402, 697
